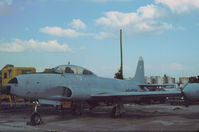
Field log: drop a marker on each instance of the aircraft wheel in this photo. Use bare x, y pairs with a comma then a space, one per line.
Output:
35, 119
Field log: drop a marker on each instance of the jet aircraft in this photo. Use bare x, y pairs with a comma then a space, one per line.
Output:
79, 85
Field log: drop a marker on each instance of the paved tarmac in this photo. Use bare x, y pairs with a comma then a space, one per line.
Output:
137, 118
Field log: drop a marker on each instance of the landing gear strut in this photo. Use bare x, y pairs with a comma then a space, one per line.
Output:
117, 110
35, 118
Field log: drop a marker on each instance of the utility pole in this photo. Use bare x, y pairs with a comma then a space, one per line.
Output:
121, 66
119, 74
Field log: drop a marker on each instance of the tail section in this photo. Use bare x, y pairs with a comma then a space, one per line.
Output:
139, 74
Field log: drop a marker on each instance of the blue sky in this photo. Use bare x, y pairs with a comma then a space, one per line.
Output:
47, 33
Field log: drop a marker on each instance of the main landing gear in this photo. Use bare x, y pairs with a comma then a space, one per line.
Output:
35, 118
117, 111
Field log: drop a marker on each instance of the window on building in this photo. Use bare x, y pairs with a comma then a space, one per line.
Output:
10, 73
5, 75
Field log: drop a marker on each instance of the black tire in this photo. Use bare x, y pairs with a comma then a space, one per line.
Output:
35, 119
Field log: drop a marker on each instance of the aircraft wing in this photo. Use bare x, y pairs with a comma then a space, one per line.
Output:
132, 96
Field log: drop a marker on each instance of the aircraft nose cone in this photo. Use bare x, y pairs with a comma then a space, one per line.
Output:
5, 89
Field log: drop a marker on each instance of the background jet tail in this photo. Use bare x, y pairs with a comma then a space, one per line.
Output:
139, 74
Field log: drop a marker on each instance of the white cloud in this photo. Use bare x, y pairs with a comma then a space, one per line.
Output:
115, 19
152, 27
150, 11
145, 19
12, 47
77, 24
103, 35
57, 31
180, 6
149, 19
70, 33
33, 45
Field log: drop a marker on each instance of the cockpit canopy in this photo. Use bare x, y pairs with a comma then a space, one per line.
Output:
71, 69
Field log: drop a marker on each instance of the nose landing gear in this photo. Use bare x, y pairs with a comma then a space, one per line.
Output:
35, 118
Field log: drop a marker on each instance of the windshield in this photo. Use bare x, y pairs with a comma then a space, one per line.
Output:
71, 69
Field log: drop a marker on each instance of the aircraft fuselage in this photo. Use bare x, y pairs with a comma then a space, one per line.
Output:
50, 86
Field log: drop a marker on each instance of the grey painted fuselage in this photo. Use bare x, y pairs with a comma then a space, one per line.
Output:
49, 86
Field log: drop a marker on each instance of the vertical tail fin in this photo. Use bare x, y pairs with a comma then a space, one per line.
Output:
139, 74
